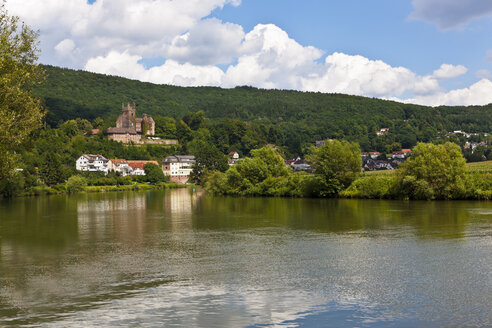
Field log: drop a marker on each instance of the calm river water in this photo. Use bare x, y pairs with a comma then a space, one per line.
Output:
184, 259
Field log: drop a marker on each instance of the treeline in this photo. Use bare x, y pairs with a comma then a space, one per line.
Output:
290, 119
433, 172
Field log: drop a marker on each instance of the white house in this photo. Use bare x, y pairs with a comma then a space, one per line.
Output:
119, 165
92, 163
178, 167
138, 167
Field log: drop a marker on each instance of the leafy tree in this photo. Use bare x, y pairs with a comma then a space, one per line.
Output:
76, 183
264, 174
153, 173
183, 132
165, 126
20, 111
336, 165
434, 171
50, 170
207, 158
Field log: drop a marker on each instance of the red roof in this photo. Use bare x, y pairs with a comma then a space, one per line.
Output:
140, 164
118, 162
406, 150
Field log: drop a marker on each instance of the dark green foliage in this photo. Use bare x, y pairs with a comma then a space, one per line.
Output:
207, 158
290, 119
50, 170
264, 174
434, 172
76, 183
153, 173
336, 165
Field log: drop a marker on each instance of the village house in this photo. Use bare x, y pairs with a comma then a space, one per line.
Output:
138, 167
374, 154
130, 128
178, 167
92, 163
120, 166
382, 132
233, 158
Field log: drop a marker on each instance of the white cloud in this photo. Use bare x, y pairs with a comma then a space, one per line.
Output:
171, 72
360, 76
448, 14
141, 27
65, 48
270, 59
447, 71
209, 42
113, 36
479, 93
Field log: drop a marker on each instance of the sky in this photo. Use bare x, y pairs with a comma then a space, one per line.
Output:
430, 52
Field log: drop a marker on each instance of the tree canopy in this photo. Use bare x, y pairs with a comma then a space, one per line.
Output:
337, 164
20, 111
434, 172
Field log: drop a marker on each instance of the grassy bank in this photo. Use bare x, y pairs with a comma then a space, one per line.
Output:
61, 189
386, 185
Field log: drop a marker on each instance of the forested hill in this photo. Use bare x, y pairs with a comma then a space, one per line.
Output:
70, 94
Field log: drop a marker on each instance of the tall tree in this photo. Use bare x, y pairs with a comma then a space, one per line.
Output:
434, 171
20, 112
336, 165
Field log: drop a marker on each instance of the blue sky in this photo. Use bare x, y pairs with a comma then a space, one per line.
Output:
377, 29
422, 51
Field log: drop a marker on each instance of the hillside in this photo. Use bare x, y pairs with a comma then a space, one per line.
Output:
70, 94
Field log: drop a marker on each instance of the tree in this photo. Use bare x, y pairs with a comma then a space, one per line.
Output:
76, 183
50, 170
207, 158
336, 165
153, 173
20, 111
434, 171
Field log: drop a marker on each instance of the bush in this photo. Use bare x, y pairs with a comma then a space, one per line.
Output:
434, 172
336, 164
373, 187
13, 185
76, 183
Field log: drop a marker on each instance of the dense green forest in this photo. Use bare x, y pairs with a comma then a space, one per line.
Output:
290, 119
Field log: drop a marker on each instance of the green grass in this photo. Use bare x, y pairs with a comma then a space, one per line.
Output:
476, 167
480, 167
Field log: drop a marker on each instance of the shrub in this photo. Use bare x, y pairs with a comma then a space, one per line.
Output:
76, 183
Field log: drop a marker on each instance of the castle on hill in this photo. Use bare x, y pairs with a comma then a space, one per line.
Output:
129, 128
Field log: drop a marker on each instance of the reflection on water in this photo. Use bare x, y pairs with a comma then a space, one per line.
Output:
180, 258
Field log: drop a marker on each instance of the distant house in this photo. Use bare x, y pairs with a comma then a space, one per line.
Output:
398, 154
300, 165
374, 154
137, 167
178, 167
233, 158
320, 143
407, 152
382, 132
119, 165
92, 163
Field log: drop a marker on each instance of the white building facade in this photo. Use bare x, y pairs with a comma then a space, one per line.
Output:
178, 167
92, 163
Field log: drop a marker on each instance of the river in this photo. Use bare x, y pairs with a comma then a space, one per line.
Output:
185, 259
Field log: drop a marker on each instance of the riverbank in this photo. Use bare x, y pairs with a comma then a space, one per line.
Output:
387, 185
62, 189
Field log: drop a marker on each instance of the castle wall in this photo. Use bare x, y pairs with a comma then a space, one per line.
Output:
125, 138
